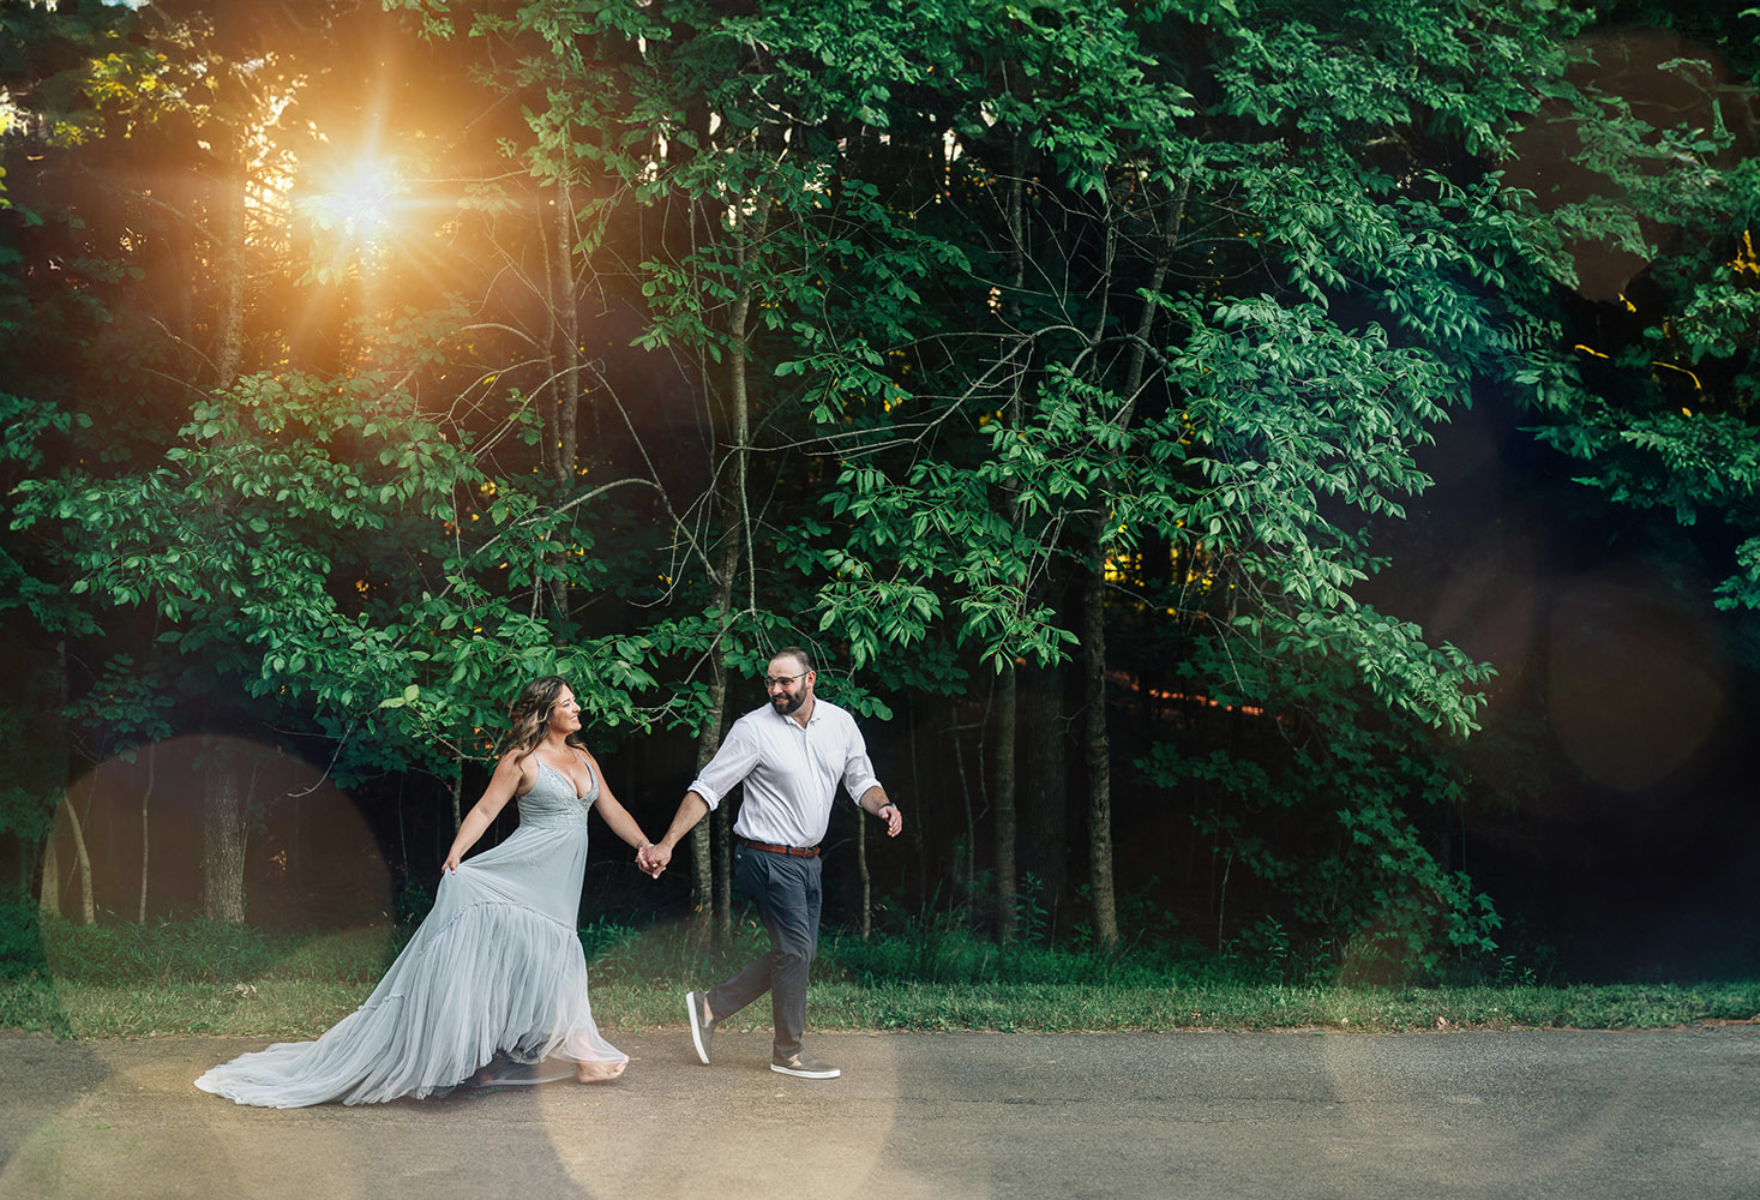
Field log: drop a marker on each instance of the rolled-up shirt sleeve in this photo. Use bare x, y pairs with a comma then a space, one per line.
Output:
737, 756
858, 770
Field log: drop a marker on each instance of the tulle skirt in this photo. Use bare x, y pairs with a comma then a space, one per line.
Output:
493, 969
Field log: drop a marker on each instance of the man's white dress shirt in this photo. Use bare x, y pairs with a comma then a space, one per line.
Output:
790, 772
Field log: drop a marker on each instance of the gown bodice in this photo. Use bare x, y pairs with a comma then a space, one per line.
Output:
552, 801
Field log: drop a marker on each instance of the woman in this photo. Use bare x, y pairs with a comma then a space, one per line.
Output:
497, 966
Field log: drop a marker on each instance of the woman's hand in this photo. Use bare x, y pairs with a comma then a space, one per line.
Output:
651, 859
503, 786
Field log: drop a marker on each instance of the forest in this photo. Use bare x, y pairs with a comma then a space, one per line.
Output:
1276, 476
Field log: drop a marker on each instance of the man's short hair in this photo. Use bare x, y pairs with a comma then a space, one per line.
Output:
798, 654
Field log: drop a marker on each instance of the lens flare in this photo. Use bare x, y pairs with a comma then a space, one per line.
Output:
361, 200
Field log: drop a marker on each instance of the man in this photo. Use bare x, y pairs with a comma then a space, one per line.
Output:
790, 754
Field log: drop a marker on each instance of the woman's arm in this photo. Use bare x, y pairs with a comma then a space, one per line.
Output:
502, 786
616, 816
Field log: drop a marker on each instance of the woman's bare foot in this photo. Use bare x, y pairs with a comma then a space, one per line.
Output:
598, 1072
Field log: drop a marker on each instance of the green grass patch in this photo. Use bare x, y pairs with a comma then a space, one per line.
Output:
279, 1007
191, 978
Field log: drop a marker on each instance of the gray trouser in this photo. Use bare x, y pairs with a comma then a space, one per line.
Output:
786, 890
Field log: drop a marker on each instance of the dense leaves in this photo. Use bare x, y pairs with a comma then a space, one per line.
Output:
878, 327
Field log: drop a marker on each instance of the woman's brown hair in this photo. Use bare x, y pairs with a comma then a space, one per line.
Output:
529, 717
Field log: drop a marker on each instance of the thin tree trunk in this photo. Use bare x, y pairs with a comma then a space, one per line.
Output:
548, 401
82, 856
455, 791
742, 430
49, 897
702, 852
569, 386
1222, 902
867, 879
724, 873
146, 796
229, 323
965, 867
1099, 751
1007, 913
1007, 883
918, 833
715, 887
737, 394
49, 894
222, 817
1046, 844
1099, 746
719, 899
710, 905
224, 832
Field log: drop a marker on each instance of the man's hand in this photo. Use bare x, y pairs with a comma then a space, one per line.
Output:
894, 819
653, 859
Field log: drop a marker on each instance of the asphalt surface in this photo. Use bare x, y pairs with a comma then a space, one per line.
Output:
1652, 1115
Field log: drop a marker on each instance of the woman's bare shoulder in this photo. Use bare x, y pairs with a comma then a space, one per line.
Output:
522, 763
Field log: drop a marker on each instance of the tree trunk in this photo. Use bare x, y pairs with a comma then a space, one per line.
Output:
738, 398
714, 887
1099, 754
724, 873
715, 903
918, 833
229, 319
1007, 883
569, 386
711, 905
224, 833
702, 851
1007, 914
1099, 747
866, 878
146, 796
963, 866
49, 894
82, 857
1046, 843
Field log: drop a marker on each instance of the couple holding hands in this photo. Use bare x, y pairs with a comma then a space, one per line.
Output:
492, 988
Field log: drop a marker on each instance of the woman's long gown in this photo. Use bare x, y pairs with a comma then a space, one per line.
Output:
496, 966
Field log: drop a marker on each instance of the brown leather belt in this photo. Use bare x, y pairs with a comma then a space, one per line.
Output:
797, 851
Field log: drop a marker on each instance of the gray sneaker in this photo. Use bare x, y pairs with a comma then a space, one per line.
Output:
803, 1066
702, 1028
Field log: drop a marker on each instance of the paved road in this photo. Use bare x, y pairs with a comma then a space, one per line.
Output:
1651, 1116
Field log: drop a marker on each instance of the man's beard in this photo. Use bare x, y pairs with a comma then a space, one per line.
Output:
788, 705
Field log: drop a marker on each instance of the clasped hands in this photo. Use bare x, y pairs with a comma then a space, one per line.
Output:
652, 859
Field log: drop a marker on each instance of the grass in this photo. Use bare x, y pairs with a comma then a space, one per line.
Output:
125, 981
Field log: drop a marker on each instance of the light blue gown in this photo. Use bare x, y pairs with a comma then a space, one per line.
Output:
497, 966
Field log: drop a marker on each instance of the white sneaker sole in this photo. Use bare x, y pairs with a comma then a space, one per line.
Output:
692, 1010
803, 1073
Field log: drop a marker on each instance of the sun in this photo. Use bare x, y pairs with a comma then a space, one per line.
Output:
359, 204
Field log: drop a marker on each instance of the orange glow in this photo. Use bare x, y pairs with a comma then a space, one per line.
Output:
1126, 680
